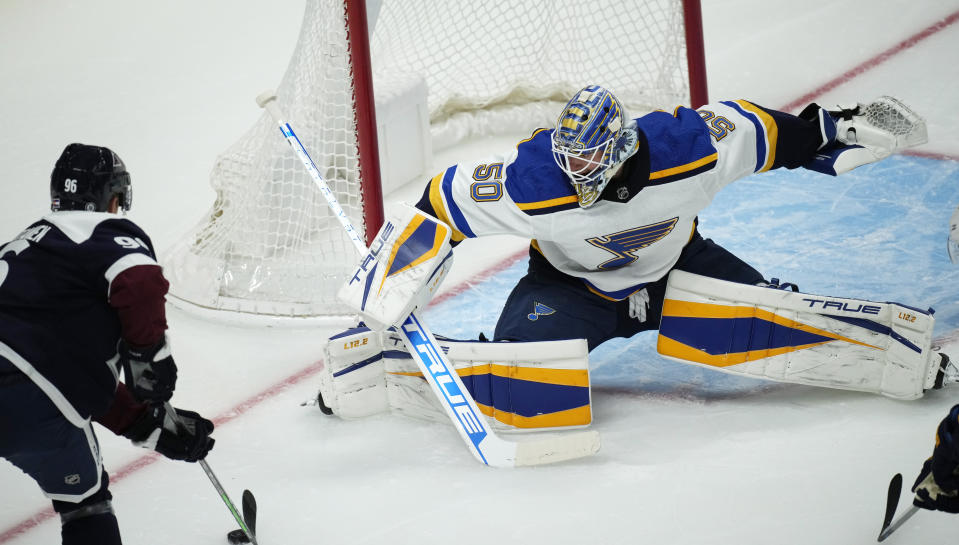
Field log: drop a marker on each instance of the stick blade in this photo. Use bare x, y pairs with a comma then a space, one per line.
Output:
249, 511
892, 503
568, 446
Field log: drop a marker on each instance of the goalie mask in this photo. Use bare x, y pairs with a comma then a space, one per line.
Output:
592, 139
87, 177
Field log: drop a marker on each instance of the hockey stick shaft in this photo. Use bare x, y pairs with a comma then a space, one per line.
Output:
442, 378
216, 482
898, 522
268, 102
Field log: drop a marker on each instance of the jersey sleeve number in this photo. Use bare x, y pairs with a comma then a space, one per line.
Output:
488, 186
719, 126
131, 243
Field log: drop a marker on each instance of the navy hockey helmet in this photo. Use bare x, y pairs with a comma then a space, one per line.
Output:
87, 177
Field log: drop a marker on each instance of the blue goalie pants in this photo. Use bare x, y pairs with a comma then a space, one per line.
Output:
547, 304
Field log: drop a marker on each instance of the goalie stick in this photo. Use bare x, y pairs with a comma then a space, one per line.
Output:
216, 483
446, 384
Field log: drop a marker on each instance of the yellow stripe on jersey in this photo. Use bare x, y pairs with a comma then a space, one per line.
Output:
537, 131
608, 298
683, 168
547, 203
442, 214
772, 132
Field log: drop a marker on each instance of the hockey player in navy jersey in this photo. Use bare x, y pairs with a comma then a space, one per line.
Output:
937, 486
82, 299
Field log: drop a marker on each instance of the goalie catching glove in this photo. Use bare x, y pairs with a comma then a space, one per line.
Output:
403, 269
859, 134
519, 386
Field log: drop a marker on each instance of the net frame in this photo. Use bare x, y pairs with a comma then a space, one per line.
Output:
270, 247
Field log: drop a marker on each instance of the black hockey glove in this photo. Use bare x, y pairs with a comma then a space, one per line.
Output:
937, 487
189, 441
150, 371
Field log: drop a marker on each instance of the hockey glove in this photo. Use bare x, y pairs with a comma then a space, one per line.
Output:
859, 134
937, 486
189, 441
150, 371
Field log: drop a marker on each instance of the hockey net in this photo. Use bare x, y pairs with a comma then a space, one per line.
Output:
269, 245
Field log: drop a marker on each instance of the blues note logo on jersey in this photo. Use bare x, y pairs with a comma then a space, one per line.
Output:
624, 243
539, 309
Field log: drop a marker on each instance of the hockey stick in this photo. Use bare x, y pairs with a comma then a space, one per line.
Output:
216, 482
456, 400
249, 515
892, 502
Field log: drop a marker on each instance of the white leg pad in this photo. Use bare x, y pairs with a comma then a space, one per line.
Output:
793, 337
519, 386
352, 380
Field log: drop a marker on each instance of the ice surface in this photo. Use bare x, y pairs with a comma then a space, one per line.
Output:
689, 455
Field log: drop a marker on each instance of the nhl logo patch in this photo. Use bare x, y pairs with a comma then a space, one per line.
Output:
72, 479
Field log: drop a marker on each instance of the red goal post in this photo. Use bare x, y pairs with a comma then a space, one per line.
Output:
443, 72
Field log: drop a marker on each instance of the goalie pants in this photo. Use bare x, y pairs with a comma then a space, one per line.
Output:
548, 305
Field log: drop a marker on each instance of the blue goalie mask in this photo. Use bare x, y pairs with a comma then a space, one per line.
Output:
592, 139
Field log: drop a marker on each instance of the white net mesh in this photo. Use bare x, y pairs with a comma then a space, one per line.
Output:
270, 246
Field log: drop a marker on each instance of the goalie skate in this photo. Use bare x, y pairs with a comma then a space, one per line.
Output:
948, 372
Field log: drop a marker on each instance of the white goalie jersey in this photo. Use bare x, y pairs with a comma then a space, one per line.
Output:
622, 243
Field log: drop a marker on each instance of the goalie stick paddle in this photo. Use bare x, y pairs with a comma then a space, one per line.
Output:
892, 502
446, 384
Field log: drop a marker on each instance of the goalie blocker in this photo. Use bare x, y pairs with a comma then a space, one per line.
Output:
787, 336
403, 269
519, 386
